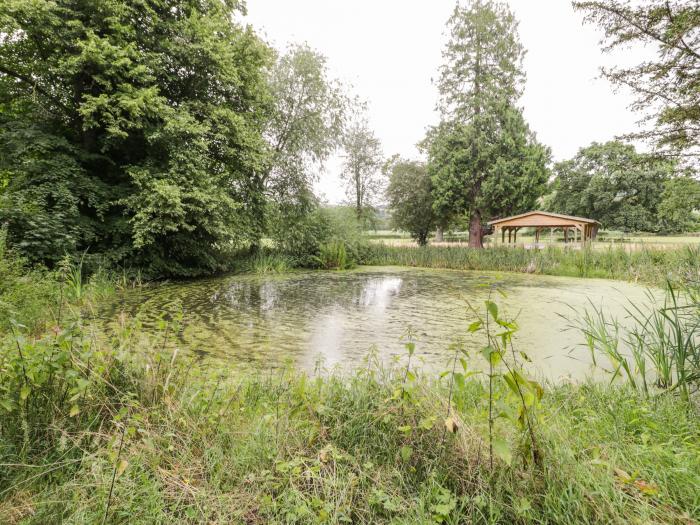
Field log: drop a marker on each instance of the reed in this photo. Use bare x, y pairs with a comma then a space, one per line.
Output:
658, 347
648, 265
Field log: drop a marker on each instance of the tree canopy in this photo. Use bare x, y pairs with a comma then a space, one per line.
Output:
132, 129
410, 196
667, 87
679, 209
362, 167
483, 158
614, 184
306, 125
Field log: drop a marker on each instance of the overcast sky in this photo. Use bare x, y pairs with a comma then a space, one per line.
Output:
390, 50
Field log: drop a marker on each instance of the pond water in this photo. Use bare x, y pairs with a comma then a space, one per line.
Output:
335, 318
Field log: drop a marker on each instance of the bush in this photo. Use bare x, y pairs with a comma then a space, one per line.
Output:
25, 295
310, 239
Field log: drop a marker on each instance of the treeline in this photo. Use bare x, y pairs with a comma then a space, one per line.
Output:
163, 135
167, 135
483, 162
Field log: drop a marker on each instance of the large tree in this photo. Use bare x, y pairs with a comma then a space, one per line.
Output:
483, 158
305, 126
679, 209
613, 184
132, 129
410, 196
667, 86
362, 167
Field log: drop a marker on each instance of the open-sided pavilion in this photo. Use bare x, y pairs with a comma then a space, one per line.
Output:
583, 229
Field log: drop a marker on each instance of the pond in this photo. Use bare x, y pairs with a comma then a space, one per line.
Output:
335, 318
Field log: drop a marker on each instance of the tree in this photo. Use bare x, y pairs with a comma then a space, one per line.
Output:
483, 159
680, 204
667, 87
305, 126
361, 169
484, 179
613, 184
410, 198
132, 129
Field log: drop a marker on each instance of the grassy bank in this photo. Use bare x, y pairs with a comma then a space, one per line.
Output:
650, 266
121, 434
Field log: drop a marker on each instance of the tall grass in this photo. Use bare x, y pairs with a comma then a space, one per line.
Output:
654, 266
266, 262
27, 294
119, 435
333, 255
661, 347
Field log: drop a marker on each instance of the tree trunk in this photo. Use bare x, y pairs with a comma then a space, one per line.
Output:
439, 234
475, 234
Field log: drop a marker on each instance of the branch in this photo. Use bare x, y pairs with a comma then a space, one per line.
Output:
627, 17
36, 86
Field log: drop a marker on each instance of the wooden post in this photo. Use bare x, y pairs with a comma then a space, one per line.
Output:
566, 234
509, 232
515, 236
537, 235
503, 236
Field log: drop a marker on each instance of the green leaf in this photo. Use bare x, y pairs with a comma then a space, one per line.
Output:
492, 355
427, 423
475, 326
463, 363
121, 467
24, 392
406, 453
492, 309
74, 411
502, 450
411, 347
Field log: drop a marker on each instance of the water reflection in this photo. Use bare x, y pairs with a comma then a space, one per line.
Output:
337, 316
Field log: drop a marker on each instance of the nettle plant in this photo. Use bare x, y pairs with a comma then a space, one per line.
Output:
512, 398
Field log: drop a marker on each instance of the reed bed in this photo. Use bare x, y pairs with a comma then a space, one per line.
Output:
651, 266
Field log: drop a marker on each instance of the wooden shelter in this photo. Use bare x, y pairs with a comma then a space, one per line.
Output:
583, 229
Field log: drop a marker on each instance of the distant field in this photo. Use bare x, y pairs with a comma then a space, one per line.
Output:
604, 239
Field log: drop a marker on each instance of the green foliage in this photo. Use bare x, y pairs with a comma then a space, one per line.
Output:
483, 158
411, 198
661, 350
304, 236
665, 84
361, 168
613, 184
268, 262
110, 427
302, 130
24, 294
680, 205
649, 265
133, 129
333, 256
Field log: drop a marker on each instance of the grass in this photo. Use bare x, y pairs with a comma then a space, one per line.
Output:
652, 266
159, 440
266, 262
101, 427
661, 349
604, 239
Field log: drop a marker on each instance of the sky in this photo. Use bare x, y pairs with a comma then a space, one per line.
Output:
389, 52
